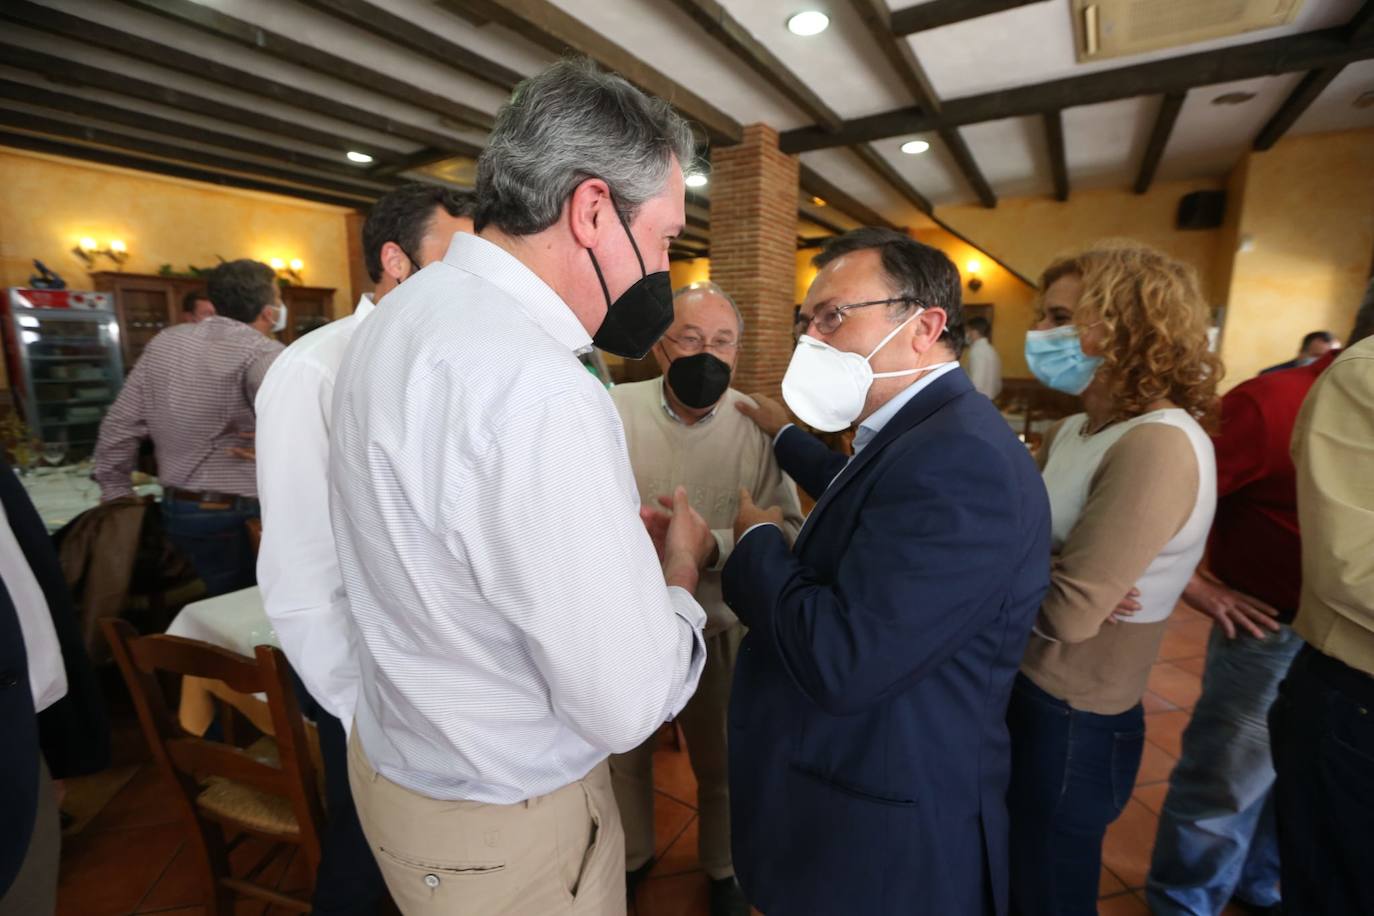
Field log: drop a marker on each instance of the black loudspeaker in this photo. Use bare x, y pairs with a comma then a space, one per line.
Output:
1202, 210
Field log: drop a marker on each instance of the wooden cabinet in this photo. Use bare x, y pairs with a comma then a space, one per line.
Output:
147, 303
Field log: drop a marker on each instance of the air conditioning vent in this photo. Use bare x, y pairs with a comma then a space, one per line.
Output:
1116, 28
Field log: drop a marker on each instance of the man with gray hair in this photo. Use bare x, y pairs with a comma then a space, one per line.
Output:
683, 428
515, 624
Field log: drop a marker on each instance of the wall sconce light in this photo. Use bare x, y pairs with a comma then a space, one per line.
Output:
971, 268
288, 270
87, 250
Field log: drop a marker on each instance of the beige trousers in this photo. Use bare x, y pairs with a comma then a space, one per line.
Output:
704, 726
559, 853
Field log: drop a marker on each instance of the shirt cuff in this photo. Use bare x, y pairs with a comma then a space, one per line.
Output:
725, 542
780, 432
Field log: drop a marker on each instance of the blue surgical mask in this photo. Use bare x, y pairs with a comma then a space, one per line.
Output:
1057, 359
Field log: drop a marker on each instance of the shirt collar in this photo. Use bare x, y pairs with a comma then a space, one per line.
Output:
870, 428
500, 268
672, 414
364, 307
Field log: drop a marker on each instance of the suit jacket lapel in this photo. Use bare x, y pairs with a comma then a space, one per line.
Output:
941, 392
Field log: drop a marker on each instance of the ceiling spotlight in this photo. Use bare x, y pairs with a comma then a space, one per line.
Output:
915, 147
1364, 100
808, 23
355, 156
696, 180
1233, 98
818, 201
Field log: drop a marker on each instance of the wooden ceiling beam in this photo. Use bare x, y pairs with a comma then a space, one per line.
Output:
85, 31
401, 31
813, 183
875, 161
128, 117
1059, 156
139, 163
56, 127
66, 72
938, 13
421, 157
1169, 108
900, 55
548, 26
1289, 54
221, 25
826, 224
1298, 101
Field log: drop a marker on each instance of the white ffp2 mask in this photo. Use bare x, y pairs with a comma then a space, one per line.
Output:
827, 388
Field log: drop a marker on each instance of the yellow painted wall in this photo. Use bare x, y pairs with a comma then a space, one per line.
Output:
47, 203
1308, 214
683, 272
1029, 232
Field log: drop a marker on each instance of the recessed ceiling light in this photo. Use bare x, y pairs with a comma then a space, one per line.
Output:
808, 23
1364, 100
355, 156
915, 147
1233, 98
696, 180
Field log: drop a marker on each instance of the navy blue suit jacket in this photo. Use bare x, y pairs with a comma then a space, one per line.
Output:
869, 755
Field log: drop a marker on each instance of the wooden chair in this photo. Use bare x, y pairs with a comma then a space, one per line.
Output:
226, 793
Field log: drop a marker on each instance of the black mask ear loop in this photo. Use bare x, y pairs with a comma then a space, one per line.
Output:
605, 290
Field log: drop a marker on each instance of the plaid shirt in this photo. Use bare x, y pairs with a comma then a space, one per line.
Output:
192, 393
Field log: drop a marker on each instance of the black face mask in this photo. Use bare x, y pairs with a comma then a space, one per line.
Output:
635, 321
698, 380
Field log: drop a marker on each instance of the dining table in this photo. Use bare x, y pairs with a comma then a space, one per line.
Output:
235, 621
62, 493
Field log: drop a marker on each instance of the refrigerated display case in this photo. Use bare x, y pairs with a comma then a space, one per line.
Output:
65, 366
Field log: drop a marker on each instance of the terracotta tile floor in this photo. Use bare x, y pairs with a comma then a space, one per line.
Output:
133, 857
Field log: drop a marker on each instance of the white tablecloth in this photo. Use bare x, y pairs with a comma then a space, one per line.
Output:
235, 621
61, 494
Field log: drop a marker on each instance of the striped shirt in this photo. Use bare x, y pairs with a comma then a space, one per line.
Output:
513, 627
191, 392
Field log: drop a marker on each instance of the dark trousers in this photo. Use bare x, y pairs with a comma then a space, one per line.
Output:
1322, 731
215, 540
349, 881
1071, 774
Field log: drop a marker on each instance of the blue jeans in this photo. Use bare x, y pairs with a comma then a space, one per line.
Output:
1322, 727
1071, 774
1218, 835
215, 540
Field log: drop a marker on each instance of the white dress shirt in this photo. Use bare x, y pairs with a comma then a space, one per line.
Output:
298, 568
985, 368
47, 673
513, 624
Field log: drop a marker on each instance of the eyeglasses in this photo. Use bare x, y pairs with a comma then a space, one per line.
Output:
692, 344
827, 321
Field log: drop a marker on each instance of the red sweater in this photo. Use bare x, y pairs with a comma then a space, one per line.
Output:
1254, 546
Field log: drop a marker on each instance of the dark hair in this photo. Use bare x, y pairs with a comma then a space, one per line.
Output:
404, 215
916, 272
1307, 339
188, 301
1364, 318
565, 125
242, 289
981, 325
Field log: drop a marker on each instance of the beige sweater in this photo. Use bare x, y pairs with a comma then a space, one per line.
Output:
712, 459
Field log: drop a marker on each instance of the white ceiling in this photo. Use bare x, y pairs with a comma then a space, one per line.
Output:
844, 66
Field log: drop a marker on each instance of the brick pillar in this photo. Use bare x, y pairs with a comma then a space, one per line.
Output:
753, 249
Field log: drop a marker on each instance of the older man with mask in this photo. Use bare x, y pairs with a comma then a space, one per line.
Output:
683, 428
514, 624
869, 755
298, 569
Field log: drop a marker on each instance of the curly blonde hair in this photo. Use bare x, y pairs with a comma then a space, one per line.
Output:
1155, 345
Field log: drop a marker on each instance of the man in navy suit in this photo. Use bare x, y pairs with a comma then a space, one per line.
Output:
869, 756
